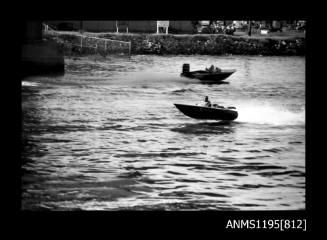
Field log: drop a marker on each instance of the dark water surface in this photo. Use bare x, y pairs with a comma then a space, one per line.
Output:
106, 136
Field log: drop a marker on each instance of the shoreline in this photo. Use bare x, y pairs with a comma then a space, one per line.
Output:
202, 44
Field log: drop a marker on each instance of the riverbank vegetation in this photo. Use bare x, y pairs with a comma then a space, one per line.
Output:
207, 44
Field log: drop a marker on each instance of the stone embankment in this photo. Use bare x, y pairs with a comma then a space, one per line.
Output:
207, 44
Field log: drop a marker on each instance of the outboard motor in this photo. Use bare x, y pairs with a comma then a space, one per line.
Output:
186, 68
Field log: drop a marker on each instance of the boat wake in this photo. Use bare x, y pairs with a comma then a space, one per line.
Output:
264, 113
182, 90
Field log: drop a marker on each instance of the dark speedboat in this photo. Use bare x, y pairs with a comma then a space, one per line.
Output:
207, 75
210, 113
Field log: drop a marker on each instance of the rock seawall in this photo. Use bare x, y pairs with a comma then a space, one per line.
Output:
211, 44
208, 44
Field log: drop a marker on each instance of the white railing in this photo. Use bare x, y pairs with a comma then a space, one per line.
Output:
100, 45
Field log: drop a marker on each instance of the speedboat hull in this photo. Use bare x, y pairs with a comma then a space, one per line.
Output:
212, 76
209, 113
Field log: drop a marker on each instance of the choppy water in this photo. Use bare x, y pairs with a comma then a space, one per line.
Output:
106, 136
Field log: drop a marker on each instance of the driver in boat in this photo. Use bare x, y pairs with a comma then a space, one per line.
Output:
207, 103
213, 69
217, 69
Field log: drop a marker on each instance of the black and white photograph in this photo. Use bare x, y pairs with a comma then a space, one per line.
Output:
163, 115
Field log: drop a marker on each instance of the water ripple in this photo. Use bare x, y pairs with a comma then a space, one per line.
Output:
106, 136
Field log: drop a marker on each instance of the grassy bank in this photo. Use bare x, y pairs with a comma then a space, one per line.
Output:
209, 44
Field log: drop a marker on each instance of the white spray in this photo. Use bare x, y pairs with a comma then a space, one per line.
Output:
268, 113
